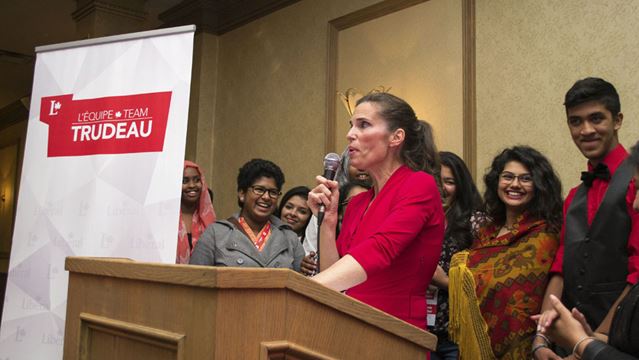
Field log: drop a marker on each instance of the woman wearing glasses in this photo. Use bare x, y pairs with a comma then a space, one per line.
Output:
498, 283
253, 237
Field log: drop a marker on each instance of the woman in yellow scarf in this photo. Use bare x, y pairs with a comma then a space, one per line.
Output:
498, 283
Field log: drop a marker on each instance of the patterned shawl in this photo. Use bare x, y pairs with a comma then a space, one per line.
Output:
202, 217
509, 275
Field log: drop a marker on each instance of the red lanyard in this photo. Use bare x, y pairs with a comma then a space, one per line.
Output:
260, 240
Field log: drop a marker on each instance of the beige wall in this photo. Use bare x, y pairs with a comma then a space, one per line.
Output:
271, 95
529, 53
417, 52
260, 89
272, 79
202, 101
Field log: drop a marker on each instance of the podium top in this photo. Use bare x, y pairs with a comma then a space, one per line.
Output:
242, 278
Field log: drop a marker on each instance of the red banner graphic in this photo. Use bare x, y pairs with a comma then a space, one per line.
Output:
108, 125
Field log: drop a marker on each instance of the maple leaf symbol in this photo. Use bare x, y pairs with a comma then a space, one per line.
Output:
57, 105
118, 114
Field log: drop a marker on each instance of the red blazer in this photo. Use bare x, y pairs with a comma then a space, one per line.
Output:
397, 241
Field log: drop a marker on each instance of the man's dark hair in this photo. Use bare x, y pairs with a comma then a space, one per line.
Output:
593, 89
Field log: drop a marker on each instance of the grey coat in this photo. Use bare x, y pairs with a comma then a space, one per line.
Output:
222, 244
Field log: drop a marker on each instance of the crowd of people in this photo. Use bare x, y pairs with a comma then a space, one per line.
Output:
516, 273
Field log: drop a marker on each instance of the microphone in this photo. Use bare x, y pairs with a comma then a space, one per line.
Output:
331, 164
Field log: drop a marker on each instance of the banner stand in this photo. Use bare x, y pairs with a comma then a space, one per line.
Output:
101, 174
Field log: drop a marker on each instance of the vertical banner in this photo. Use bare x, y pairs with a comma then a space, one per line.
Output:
102, 172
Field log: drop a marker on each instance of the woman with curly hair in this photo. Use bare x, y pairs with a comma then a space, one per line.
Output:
498, 283
254, 237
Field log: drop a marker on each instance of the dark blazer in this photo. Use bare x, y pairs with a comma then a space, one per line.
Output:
222, 244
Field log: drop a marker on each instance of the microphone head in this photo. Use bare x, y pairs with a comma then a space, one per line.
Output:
332, 161
331, 164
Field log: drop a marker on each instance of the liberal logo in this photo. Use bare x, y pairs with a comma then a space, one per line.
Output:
108, 125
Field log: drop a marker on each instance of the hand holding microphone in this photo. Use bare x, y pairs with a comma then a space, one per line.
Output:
325, 195
331, 164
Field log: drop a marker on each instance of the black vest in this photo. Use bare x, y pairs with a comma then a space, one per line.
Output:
596, 258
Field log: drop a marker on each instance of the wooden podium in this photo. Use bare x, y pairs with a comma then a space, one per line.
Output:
122, 309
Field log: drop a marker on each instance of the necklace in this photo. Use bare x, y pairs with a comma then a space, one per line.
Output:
509, 228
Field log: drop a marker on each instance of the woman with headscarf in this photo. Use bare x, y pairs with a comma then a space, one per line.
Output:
196, 211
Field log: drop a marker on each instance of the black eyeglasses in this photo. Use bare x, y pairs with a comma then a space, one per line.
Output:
508, 177
260, 190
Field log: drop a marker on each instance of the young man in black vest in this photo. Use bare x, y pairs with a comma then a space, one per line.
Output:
598, 258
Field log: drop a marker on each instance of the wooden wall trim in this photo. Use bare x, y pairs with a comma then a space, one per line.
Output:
331, 90
470, 98
372, 12
220, 16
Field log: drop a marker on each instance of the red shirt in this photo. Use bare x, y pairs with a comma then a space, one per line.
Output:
397, 241
595, 195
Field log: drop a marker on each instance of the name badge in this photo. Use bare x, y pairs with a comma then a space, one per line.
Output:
431, 305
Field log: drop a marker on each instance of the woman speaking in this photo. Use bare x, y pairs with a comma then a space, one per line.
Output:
391, 235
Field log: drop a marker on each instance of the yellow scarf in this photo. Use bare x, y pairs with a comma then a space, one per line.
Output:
467, 326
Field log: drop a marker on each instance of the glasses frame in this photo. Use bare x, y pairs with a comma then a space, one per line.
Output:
260, 191
516, 177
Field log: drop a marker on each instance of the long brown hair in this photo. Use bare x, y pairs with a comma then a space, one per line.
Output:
418, 150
